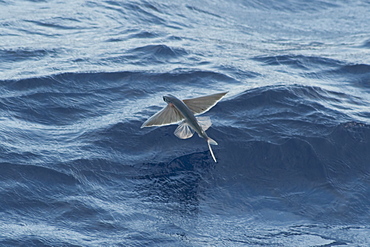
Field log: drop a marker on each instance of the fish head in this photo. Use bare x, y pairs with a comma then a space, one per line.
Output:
169, 98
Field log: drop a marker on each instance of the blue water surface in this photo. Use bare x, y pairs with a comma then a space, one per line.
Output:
78, 78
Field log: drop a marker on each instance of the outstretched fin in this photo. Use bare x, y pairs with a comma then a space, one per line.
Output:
202, 104
166, 116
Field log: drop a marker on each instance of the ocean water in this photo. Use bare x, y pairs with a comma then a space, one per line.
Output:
78, 78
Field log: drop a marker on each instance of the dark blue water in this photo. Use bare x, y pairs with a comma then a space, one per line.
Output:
78, 78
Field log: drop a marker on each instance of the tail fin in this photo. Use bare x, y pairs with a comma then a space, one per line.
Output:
213, 142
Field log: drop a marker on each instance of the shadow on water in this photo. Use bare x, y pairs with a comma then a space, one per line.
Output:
178, 183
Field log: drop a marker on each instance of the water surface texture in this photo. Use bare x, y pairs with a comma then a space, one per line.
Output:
78, 78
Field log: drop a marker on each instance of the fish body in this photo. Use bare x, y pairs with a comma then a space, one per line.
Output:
183, 112
188, 115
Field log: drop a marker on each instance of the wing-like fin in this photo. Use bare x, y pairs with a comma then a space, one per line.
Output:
184, 131
166, 116
204, 122
202, 104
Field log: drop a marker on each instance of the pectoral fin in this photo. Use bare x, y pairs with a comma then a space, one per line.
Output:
184, 131
168, 115
202, 104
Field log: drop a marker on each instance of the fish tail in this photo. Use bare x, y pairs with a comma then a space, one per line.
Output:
213, 142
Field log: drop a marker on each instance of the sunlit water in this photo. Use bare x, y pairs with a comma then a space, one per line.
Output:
78, 78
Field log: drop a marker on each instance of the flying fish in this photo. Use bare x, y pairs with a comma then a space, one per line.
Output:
183, 112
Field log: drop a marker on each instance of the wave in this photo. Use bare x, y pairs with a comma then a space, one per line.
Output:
79, 78
299, 62
155, 54
23, 54
291, 6
37, 174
